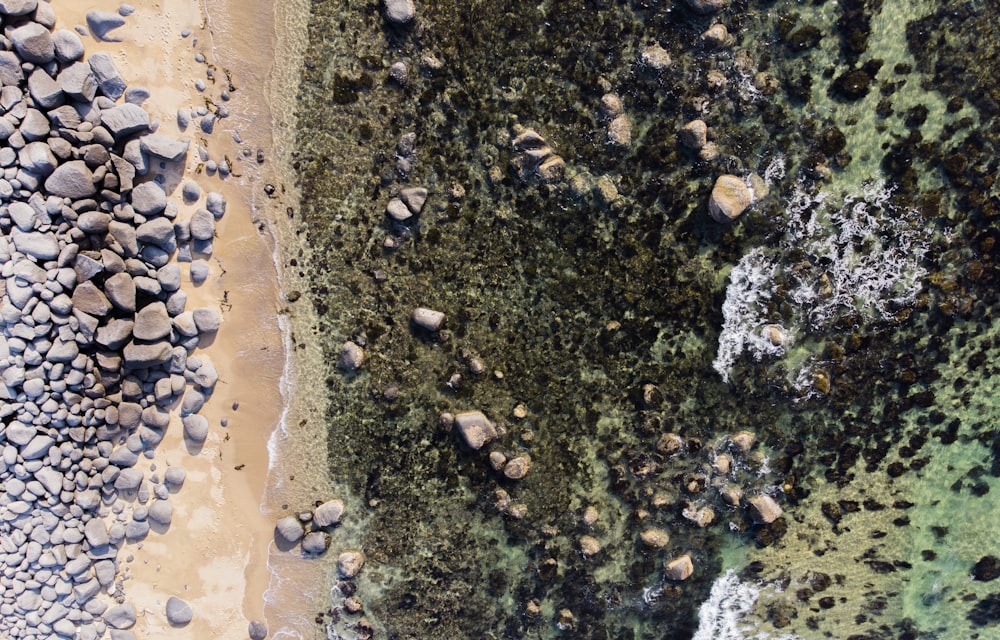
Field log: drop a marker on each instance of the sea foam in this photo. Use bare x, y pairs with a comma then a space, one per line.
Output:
723, 616
856, 255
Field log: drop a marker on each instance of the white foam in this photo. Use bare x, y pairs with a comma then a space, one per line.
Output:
855, 255
724, 615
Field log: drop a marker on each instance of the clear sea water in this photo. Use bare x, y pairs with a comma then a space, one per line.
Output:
597, 318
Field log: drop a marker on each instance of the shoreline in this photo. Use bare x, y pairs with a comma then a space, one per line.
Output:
218, 554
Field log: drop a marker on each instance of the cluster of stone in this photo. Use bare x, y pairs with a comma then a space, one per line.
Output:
534, 157
619, 130
713, 489
96, 340
310, 529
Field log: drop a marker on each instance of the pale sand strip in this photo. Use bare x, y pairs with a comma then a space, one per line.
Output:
215, 554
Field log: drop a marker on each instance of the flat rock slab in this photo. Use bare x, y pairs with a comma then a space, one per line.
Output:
163, 147
125, 119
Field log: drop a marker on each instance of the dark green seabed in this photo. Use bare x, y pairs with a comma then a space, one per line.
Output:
616, 311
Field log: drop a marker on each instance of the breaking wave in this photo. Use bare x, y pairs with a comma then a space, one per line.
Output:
723, 616
856, 256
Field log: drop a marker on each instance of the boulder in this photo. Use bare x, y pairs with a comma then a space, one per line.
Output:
764, 509
694, 135
730, 198
195, 428
350, 563
17, 7
620, 132
399, 11
69, 46
316, 542
33, 43
289, 529
38, 245
414, 197
257, 630
202, 225
78, 82
90, 300
71, 180
10, 70
148, 198
143, 356
108, 78
152, 322
427, 319
351, 357
125, 119
178, 612
161, 512
517, 467
163, 147
120, 291
329, 513
679, 569
44, 90
96, 533
475, 428
121, 616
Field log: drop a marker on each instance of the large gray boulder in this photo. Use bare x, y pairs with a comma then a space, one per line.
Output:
148, 198
108, 78
33, 43
178, 612
78, 82
316, 542
71, 180
120, 291
163, 147
143, 356
44, 90
125, 119
289, 529
90, 300
69, 46
17, 7
37, 158
10, 69
329, 513
152, 322
121, 616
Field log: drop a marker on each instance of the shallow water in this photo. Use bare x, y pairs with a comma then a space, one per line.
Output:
612, 310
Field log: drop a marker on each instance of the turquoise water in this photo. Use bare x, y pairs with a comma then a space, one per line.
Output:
598, 316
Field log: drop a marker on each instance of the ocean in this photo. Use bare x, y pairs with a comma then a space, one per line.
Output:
832, 349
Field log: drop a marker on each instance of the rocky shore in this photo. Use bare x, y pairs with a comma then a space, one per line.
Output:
109, 300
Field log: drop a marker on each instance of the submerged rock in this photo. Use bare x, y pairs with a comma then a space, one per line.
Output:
730, 198
351, 357
679, 569
764, 509
475, 428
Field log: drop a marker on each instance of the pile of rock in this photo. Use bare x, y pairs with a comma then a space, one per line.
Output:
96, 340
311, 529
533, 156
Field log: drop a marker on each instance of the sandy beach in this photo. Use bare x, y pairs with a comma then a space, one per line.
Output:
215, 554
